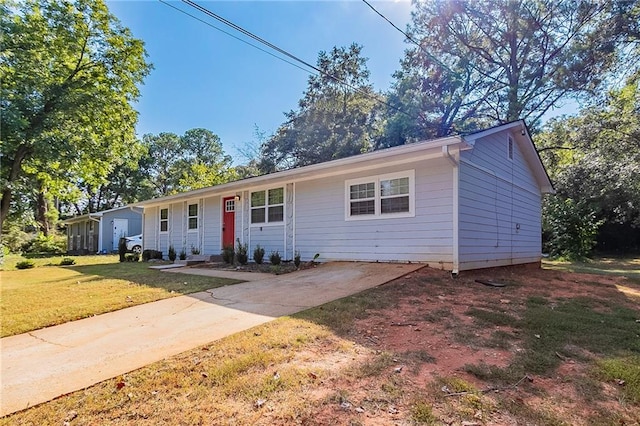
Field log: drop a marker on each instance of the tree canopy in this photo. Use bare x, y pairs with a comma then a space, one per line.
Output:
182, 163
335, 117
70, 74
594, 158
498, 61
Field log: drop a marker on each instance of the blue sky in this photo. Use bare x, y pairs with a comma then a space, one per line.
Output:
204, 78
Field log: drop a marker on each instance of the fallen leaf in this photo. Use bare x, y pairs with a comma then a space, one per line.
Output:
71, 415
360, 410
120, 385
313, 375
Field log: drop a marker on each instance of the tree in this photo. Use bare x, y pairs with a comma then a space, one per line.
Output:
183, 163
594, 158
333, 119
70, 73
506, 60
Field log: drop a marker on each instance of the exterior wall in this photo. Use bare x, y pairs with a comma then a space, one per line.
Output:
82, 237
212, 226
321, 227
134, 219
206, 239
270, 237
499, 206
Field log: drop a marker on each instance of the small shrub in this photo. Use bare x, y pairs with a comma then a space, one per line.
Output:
241, 253
296, 259
228, 253
172, 253
195, 250
258, 254
183, 254
133, 257
151, 254
570, 227
274, 257
67, 261
421, 412
25, 264
51, 244
122, 249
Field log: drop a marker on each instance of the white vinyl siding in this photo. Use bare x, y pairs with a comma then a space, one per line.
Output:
425, 237
270, 238
212, 226
499, 206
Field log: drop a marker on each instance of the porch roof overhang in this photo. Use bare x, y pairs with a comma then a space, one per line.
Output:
369, 161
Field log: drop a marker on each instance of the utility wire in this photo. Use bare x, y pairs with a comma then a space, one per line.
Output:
433, 58
231, 35
289, 55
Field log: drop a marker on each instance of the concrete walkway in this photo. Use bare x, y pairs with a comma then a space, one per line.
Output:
43, 364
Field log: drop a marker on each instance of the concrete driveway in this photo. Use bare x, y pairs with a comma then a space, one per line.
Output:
43, 364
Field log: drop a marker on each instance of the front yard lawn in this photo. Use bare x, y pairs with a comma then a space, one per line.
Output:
50, 295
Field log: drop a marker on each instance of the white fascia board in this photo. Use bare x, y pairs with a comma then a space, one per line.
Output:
367, 161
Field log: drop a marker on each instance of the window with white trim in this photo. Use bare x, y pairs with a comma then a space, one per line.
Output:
193, 217
230, 205
379, 197
164, 220
267, 206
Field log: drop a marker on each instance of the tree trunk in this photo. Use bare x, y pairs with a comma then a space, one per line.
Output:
14, 172
42, 208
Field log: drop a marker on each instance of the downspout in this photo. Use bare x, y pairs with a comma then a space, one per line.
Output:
456, 252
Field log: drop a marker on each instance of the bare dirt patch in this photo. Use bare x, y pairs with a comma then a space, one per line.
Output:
437, 326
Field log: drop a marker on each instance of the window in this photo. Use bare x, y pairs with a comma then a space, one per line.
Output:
164, 220
193, 216
267, 206
380, 197
510, 148
230, 206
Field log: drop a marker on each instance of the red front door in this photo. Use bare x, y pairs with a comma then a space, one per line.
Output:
228, 221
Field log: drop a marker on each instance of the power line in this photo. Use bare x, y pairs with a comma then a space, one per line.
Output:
433, 58
289, 55
231, 35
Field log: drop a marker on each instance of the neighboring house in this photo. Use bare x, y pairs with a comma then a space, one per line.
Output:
99, 232
457, 203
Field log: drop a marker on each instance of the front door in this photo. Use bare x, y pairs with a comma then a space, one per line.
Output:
120, 229
228, 221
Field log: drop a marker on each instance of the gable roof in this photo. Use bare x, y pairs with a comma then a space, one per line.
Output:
97, 215
367, 161
370, 161
523, 138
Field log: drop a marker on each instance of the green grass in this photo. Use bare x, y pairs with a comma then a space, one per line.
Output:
50, 295
624, 372
625, 267
551, 331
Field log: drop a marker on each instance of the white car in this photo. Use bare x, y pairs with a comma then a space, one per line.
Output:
134, 243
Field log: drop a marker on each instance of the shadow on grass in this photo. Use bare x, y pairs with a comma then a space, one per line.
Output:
139, 273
